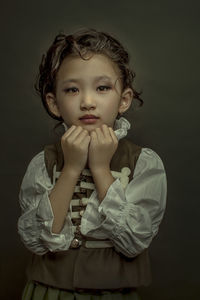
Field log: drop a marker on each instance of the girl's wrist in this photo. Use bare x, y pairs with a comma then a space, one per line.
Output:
71, 171
100, 169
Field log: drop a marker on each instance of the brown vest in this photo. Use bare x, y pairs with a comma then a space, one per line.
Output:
91, 268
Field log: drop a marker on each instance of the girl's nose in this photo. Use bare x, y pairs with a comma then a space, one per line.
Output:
88, 102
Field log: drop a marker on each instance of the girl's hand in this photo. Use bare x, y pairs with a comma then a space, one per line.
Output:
74, 143
103, 145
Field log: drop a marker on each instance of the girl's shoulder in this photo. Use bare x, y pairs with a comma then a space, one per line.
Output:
35, 168
36, 161
36, 174
149, 152
150, 159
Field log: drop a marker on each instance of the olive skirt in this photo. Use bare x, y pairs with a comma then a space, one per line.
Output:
36, 291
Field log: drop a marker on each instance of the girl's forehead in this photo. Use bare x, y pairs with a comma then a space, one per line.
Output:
92, 64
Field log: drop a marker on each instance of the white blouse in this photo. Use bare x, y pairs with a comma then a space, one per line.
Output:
129, 217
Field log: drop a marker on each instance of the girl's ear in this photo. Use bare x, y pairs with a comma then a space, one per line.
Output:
52, 104
126, 100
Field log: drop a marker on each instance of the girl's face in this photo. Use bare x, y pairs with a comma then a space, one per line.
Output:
87, 87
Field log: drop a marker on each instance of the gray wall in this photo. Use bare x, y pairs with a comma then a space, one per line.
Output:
163, 39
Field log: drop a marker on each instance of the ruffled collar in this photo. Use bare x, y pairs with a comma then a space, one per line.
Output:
121, 126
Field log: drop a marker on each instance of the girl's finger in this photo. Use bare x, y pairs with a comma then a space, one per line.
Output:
93, 135
69, 131
85, 141
113, 135
93, 138
74, 133
106, 131
82, 136
100, 135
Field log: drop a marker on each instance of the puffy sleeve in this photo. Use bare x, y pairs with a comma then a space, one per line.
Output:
35, 222
130, 217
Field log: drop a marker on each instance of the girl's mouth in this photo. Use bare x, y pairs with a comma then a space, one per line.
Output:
89, 121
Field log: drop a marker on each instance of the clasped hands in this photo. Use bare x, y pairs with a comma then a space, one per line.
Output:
95, 148
102, 147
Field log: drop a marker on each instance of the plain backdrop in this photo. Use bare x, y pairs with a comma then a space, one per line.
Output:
162, 38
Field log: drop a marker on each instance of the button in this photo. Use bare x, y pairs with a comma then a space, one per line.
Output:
75, 243
83, 201
81, 213
78, 229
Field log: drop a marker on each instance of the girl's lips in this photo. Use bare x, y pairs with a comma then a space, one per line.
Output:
89, 121
89, 117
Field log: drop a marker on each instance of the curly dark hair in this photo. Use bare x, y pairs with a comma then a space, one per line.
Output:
80, 43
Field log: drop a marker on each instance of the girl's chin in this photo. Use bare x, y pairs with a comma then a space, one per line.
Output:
90, 127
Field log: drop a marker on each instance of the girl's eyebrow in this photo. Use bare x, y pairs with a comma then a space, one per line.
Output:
97, 78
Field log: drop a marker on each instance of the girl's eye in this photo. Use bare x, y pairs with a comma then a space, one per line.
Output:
71, 90
103, 88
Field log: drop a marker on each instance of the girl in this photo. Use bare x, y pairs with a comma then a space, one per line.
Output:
93, 201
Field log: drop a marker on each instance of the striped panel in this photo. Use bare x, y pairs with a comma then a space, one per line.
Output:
123, 176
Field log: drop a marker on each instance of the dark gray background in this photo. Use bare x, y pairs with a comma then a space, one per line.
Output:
163, 40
